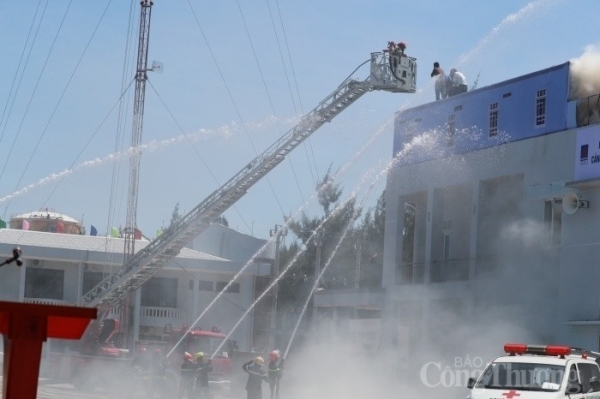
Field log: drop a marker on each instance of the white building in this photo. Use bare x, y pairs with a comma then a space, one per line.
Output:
489, 237
59, 268
491, 231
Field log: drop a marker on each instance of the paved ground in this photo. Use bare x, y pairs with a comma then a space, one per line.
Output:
51, 391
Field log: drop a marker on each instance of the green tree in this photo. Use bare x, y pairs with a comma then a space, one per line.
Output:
296, 284
175, 215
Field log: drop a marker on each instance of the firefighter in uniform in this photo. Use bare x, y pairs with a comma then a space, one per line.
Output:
256, 375
203, 367
188, 372
274, 372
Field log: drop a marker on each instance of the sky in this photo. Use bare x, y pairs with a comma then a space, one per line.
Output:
236, 76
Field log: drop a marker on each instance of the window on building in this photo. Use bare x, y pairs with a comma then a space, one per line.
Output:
405, 266
451, 129
204, 285
90, 280
160, 292
44, 283
493, 120
540, 108
233, 288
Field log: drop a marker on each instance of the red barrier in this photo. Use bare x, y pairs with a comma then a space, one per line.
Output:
25, 327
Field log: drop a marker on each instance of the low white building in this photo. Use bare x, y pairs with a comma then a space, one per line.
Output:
59, 268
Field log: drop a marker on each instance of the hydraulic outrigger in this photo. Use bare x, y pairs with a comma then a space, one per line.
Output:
391, 71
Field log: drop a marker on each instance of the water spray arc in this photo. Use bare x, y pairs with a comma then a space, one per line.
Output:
343, 169
273, 283
423, 140
312, 238
149, 147
417, 141
426, 140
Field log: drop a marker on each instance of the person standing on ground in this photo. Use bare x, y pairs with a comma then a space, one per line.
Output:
203, 367
274, 372
188, 372
256, 375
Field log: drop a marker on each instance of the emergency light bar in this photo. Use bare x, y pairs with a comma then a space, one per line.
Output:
549, 350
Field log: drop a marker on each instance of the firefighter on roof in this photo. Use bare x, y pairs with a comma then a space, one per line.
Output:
275, 372
256, 375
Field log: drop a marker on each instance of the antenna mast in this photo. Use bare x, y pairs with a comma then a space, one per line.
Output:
131, 230
136, 134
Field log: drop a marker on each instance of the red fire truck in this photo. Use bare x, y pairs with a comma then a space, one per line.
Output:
198, 340
96, 363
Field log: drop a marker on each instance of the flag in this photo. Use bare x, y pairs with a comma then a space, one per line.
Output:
2, 224
158, 232
25, 225
114, 232
93, 231
60, 227
137, 234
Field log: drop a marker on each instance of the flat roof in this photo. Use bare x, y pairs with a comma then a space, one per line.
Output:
75, 242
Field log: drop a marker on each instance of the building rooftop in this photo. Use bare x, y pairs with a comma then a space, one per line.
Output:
73, 242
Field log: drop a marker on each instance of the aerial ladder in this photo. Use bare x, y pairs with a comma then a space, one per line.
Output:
390, 70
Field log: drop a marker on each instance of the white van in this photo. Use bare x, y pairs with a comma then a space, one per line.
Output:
539, 372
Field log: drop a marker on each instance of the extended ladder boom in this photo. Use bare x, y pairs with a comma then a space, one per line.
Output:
389, 72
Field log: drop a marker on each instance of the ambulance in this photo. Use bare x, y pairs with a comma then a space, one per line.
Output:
539, 372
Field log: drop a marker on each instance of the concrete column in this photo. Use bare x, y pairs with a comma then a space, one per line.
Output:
473, 250
137, 307
195, 299
22, 282
80, 292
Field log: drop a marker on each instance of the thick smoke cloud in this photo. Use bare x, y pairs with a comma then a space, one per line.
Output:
585, 79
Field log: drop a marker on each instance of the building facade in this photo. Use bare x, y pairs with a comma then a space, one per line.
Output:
59, 268
491, 211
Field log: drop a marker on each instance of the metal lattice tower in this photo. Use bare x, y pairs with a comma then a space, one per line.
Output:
131, 230
136, 133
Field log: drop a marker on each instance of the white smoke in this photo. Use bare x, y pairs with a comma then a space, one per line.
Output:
585, 79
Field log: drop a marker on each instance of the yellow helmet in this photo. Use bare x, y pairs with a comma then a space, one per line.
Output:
259, 360
199, 355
